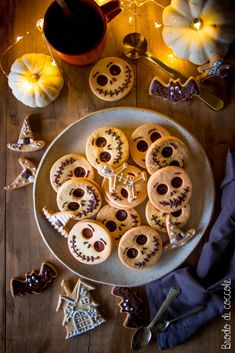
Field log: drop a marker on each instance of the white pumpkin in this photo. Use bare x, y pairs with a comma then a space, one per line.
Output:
35, 80
196, 30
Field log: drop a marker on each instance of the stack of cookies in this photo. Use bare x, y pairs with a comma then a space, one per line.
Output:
124, 186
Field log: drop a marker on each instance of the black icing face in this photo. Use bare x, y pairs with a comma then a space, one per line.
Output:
89, 243
111, 77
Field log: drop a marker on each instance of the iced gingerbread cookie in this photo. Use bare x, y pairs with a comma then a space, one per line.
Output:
59, 220
167, 151
157, 219
118, 221
111, 79
142, 138
124, 187
90, 242
140, 248
169, 189
177, 237
68, 166
107, 145
80, 195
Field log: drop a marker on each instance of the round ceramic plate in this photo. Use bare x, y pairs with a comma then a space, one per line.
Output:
73, 139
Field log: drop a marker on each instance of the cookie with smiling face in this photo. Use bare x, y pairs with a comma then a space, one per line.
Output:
142, 138
68, 166
118, 221
90, 242
157, 219
169, 189
167, 151
111, 79
107, 145
140, 248
80, 195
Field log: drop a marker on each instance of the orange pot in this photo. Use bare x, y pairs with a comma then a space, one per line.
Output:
61, 31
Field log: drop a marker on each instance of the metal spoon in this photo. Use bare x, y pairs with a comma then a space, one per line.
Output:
135, 46
161, 326
143, 335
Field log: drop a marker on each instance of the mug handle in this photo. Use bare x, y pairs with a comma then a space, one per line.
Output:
111, 9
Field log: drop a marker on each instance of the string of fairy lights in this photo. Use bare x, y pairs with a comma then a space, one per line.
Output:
127, 5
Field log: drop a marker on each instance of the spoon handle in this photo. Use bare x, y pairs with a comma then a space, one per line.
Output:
173, 293
188, 313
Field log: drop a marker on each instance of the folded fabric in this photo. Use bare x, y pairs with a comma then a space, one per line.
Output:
210, 281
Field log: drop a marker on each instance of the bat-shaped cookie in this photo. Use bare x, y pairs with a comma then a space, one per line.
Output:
174, 91
130, 304
34, 282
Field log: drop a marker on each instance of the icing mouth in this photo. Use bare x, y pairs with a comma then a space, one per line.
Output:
119, 145
148, 256
157, 222
176, 201
78, 252
121, 88
60, 170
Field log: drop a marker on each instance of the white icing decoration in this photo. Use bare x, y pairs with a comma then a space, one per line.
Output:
59, 217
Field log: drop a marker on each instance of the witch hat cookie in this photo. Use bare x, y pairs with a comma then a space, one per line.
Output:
176, 235
26, 176
59, 220
26, 141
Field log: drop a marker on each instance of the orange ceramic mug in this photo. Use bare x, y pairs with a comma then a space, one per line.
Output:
79, 39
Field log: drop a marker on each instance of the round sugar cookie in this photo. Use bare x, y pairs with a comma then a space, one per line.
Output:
130, 188
118, 221
142, 138
140, 248
157, 219
90, 242
81, 196
169, 189
167, 151
111, 79
108, 145
68, 166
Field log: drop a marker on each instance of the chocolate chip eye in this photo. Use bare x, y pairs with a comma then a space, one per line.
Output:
124, 193
105, 156
141, 239
115, 70
121, 215
142, 146
101, 142
73, 206
99, 246
162, 189
155, 136
111, 225
78, 192
176, 213
132, 253
102, 80
87, 233
167, 152
175, 163
176, 182
79, 172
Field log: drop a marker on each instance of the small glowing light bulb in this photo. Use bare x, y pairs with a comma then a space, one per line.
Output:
130, 19
171, 56
157, 25
39, 24
19, 38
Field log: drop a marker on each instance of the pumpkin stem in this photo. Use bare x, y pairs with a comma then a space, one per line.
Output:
34, 78
197, 24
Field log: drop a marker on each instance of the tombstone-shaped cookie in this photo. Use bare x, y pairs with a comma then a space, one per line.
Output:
80, 310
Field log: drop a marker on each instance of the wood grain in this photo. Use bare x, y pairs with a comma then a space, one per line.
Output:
30, 324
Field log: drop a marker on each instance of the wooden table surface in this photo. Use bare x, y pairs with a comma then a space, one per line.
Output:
30, 323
